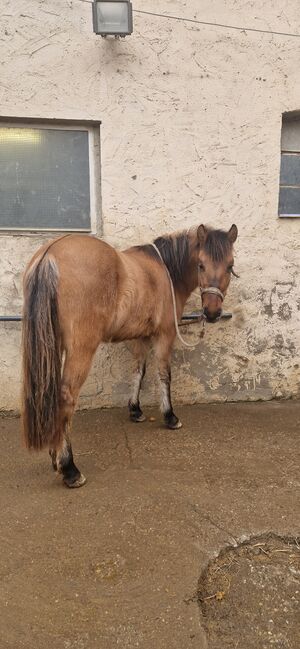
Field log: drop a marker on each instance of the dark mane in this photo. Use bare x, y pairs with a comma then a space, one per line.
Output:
175, 251
217, 245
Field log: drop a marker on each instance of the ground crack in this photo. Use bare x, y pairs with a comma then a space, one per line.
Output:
210, 520
128, 448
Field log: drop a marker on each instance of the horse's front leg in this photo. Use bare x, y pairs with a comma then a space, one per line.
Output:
140, 349
163, 349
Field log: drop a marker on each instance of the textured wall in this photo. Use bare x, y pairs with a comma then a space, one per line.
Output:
191, 120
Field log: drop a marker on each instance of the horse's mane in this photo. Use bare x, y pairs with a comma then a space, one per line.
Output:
175, 250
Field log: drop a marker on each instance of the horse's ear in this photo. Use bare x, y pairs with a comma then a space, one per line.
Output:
232, 234
201, 234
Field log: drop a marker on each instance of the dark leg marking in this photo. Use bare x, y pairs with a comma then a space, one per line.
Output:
170, 418
135, 412
66, 466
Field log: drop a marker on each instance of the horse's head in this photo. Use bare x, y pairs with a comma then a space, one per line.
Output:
215, 266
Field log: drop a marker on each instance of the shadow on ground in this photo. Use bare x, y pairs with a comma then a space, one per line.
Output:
117, 563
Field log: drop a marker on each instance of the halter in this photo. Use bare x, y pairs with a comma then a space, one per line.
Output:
213, 290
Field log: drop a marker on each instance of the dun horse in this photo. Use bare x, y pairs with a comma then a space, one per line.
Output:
80, 292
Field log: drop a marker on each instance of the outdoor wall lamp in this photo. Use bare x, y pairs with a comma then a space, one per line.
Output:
112, 17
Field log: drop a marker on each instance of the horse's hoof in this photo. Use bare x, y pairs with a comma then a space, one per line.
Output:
172, 421
75, 484
175, 426
137, 419
135, 413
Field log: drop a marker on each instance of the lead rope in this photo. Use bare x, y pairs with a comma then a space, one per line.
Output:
174, 305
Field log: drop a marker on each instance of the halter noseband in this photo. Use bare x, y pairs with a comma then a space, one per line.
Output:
213, 290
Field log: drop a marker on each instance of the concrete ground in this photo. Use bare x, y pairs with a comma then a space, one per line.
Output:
117, 562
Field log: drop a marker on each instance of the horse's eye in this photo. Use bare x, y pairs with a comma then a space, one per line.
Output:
201, 267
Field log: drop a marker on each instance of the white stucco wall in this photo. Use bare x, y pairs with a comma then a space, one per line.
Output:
191, 122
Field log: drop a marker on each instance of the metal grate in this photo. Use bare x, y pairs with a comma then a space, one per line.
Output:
44, 178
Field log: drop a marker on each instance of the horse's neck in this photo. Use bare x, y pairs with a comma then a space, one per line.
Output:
184, 289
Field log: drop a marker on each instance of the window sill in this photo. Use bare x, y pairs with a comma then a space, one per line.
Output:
27, 232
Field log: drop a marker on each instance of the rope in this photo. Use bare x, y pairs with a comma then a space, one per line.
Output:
174, 303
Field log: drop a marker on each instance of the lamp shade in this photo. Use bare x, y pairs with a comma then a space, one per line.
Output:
112, 17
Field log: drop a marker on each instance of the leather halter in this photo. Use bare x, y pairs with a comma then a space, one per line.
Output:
213, 290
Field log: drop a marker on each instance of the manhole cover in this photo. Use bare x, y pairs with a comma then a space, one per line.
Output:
249, 596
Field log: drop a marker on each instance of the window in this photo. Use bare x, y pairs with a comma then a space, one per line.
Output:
289, 193
47, 175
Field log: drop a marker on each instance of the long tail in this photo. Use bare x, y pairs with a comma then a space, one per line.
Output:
41, 343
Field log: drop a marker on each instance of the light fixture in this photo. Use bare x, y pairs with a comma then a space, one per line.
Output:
112, 17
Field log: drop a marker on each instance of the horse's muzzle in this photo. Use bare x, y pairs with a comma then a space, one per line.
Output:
212, 299
212, 316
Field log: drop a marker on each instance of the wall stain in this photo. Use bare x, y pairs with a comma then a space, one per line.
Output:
284, 312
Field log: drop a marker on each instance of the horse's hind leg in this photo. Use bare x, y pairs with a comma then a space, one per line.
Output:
75, 371
63, 462
140, 350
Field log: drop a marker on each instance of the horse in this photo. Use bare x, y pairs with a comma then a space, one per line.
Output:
79, 292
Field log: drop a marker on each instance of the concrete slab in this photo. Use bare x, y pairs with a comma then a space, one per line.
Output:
117, 563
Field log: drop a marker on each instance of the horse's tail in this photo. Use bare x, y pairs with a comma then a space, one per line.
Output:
41, 343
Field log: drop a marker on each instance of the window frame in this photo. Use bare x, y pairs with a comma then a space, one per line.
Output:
94, 154
290, 117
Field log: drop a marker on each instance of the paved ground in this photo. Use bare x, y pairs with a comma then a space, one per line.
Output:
117, 563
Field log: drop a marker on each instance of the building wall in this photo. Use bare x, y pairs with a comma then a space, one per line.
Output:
191, 123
